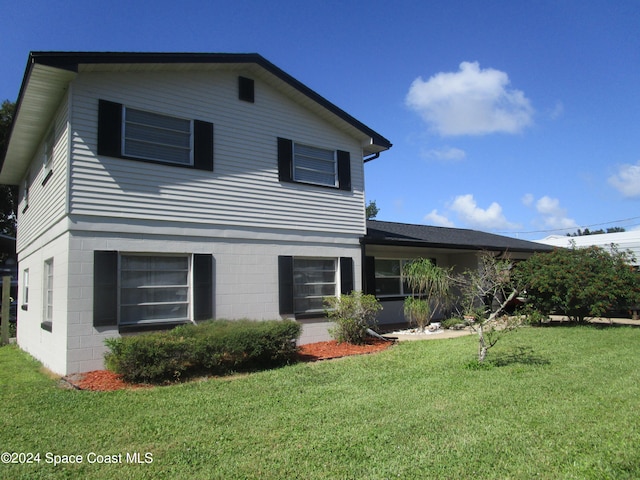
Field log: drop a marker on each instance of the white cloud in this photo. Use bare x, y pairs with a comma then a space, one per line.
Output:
557, 111
436, 219
527, 199
446, 154
490, 219
472, 101
553, 215
627, 180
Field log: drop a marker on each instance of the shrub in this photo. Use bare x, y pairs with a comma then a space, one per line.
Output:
580, 282
431, 287
214, 347
353, 314
453, 322
150, 357
532, 316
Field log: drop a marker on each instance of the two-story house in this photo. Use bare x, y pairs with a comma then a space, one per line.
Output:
159, 188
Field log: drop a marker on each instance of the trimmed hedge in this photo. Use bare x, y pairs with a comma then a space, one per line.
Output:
214, 347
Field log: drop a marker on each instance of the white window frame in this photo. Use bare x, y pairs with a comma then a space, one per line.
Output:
125, 138
49, 149
25, 191
305, 151
404, 292
188, 302
25, 287
298, 274
47, 291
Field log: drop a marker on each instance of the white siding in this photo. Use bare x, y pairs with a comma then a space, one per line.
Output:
48, 347
243, 190
47, 203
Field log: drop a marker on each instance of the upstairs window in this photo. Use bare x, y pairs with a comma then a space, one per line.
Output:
49, 145
314, 165
152, 136
26, 186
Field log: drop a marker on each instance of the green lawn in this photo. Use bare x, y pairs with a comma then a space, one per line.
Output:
557, 403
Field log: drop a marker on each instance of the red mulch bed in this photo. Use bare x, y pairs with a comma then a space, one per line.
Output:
105, 381
332, 349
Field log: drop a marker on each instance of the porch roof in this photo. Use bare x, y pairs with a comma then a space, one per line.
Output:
404, 234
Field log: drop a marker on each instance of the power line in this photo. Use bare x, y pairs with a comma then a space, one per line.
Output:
581, 227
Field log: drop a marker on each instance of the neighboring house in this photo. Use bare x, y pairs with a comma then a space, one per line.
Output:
622, 240
159, 189
388, 245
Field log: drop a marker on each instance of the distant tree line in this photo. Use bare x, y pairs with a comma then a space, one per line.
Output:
586, 231
8, 193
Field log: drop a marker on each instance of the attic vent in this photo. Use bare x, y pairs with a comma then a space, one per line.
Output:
246, 89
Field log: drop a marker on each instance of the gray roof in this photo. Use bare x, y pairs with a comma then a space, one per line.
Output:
404, 234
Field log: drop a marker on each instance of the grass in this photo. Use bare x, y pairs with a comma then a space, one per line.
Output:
553, 403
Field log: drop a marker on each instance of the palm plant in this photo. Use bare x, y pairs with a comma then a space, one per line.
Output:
431, 288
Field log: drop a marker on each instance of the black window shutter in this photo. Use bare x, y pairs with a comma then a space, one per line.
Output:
203, 145
109, 128
369, 276
285, 284
344, 170
203, 286
346, 275
285, 160
246, 90
105, 288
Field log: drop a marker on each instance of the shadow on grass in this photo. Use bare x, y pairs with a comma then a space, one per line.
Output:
517, 355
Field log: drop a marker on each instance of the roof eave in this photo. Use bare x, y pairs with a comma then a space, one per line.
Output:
451, 246
42, 89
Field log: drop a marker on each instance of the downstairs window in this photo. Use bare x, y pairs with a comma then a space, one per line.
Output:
154, 289
140, 291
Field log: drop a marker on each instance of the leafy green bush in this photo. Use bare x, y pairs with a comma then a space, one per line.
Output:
214, 347
532, 316
150, 357
452, 322
580, 282
353, 314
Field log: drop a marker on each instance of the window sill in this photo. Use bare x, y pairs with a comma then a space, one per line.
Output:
335, 188
306, 316
48, 326
149, 327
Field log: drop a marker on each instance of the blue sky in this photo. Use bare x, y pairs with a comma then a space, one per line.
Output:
515, 117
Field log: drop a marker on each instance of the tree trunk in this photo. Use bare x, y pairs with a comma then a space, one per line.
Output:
482, 345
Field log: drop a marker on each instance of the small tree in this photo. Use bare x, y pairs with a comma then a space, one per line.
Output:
488, 291
353, 314
372, 210
580, 282
431, 287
